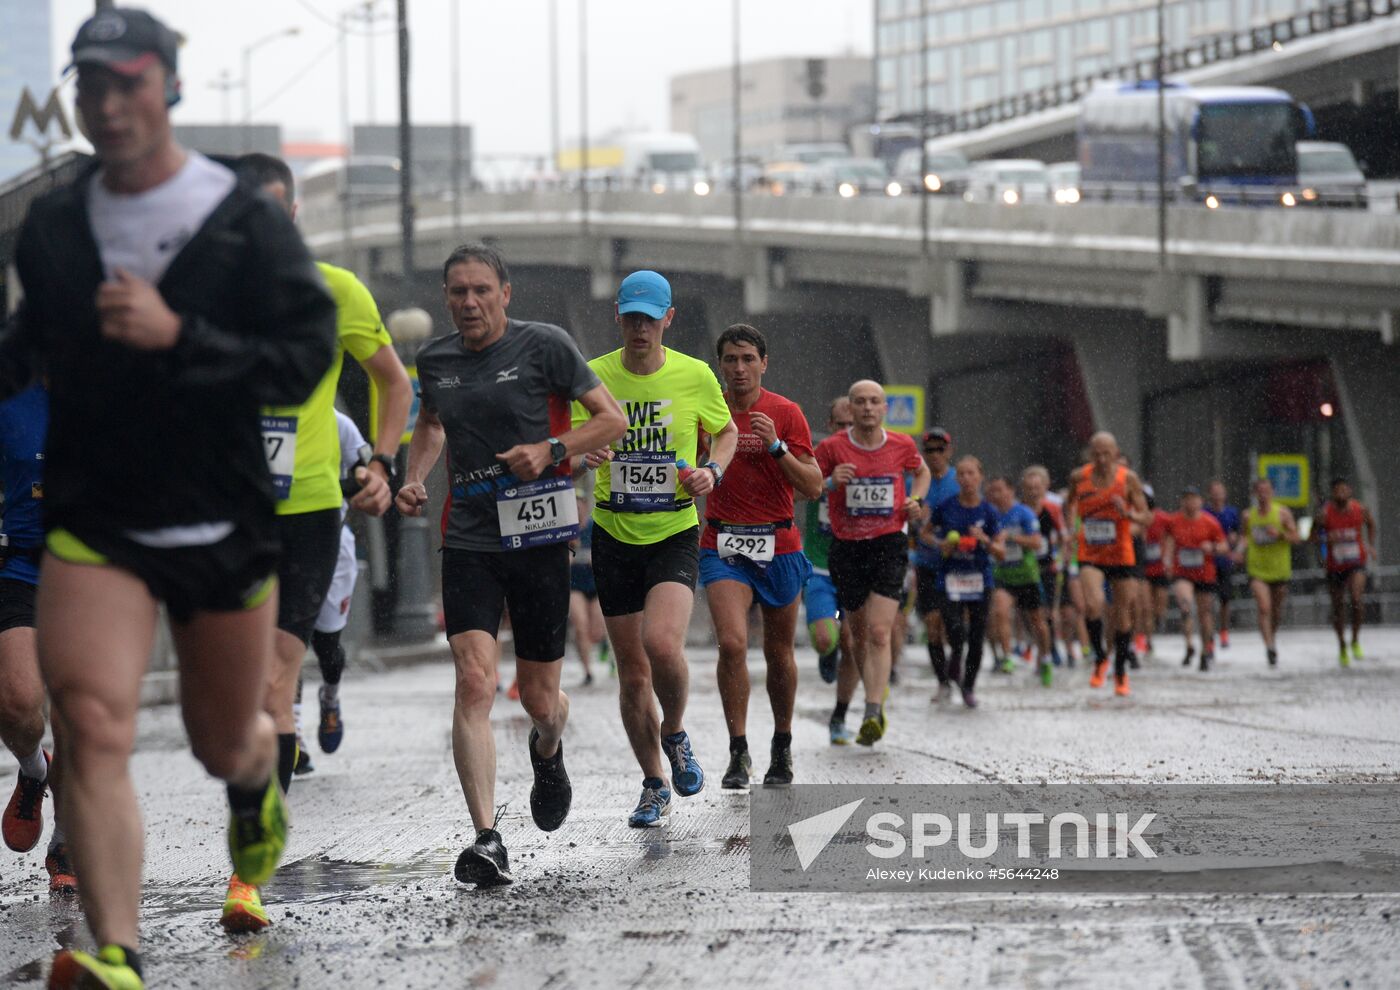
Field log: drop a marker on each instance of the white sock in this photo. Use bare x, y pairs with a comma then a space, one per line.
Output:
296, 716
57, 837
35, 766
329, 692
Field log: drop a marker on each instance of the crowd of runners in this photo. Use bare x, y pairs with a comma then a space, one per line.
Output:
587, 494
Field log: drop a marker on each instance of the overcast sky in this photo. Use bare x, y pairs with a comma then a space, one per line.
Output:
503, 58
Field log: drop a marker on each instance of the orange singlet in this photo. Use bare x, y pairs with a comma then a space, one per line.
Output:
1105, 534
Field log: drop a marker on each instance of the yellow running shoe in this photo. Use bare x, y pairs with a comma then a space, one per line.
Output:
1356, 650
243, 908
74, 970
256, 841
1344, 658
872, 730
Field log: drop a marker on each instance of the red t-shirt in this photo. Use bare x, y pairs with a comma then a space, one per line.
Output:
1344, 528
755, 489
1152, 540
1189, 535
873, 503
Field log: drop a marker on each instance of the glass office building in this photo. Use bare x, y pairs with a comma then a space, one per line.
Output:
24, 61
982, 51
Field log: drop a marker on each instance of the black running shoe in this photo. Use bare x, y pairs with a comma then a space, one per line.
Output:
826, 666
303, 764
1190, 655
1207, 660
780, 769
484, 862
1273, 658
552, 794
736, 778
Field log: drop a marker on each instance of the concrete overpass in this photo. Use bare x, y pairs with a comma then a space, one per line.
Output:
1030, 325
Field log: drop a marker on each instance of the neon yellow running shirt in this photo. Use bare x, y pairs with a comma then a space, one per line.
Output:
302, 442
638, 495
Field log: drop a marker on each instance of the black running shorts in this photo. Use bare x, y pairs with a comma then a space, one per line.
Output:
479, 585
625, 572
310, 548
16, 604
861, 568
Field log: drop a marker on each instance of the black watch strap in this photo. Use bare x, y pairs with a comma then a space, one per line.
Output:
387, 462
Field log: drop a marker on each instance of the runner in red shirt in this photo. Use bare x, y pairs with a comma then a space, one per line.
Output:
1158, 583
1347, 540
750, 549
1189, 545
864, 467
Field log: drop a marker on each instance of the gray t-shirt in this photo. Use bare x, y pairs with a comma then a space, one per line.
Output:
516, 391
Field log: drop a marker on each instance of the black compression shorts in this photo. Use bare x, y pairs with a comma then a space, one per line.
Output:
625, 572
860, 568
310, 548
16, 604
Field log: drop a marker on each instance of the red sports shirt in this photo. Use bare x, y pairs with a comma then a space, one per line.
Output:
1152, 541
1189, 535
1344, 529
879, 481
755, 489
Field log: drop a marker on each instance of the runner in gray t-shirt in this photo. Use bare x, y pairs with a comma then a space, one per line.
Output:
516, 390
496, 393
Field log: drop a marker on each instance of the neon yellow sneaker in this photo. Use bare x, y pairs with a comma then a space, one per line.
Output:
255, 842
1344, 658
243, 908
74, 970
872, 730
1356, 651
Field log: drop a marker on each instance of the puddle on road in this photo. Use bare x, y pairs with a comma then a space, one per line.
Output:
316, 879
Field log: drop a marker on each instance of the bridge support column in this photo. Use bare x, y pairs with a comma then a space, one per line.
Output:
1368, 387
1114, 367
947, 298
1188, 320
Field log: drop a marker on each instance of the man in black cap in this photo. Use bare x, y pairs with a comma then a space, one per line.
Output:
166, 303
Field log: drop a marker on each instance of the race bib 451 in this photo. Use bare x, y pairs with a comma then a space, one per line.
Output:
537, 513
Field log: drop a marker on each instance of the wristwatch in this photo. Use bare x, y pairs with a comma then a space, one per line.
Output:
716, 471
558, 453
779, 450
387, 463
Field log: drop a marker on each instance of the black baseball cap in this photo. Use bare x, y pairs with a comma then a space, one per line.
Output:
125, 40
937, 435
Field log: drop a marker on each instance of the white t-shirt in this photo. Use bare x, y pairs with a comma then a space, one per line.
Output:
142, 233
351, 440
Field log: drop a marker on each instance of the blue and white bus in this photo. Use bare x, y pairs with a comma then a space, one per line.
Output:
1225, 144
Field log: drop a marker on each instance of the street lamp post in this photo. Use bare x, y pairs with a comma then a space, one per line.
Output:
405, 155
583, 111
1161, 134
924, 191
225, 84
738, 135
248, 80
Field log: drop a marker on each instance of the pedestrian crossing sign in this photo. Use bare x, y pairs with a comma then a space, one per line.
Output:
904, 409
1290, 477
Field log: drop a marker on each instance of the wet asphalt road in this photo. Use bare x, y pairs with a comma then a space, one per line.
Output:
366, 896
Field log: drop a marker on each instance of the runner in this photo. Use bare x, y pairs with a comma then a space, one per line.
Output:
1017, 574
1159, 584
1228, 516
966, 530
1036, 496
161, 385
1346, 540
1105, 499
750, 551
1192, 541
928, 559
646, 532
585, 617
1269, 534
864, 468
829, 636
494, 391
24, 422
304, 456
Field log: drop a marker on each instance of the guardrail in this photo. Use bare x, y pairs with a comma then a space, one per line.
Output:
1218, 48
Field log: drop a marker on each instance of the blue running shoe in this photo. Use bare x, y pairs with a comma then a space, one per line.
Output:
686, 775
654, 808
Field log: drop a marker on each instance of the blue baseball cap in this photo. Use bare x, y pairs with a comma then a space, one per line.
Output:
644, 292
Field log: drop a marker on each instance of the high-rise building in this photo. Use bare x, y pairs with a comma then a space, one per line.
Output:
777, 105
982, 50
24, 63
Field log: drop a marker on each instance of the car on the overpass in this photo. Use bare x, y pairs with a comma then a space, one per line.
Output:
1329, 176
849, 177
1064, 182
946, 173
1010, 181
